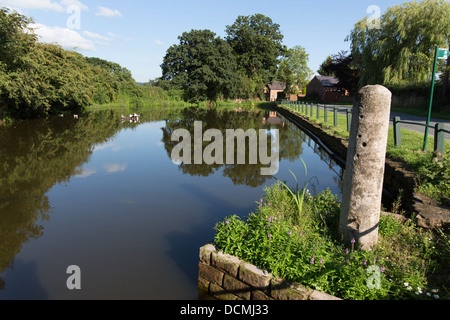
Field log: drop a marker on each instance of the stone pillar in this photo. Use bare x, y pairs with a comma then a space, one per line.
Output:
364, 171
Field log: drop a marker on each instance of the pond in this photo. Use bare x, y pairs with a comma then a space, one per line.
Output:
106, 196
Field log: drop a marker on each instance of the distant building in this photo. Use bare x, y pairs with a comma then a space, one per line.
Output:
275, 91
328, 89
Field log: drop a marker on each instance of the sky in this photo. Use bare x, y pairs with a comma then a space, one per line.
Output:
137, 33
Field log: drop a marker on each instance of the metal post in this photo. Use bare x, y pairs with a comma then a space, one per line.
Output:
325, 113
431, 99
349, 120
335, 114
397, 132
439, 137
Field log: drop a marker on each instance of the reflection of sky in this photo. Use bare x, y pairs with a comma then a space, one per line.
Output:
134, 222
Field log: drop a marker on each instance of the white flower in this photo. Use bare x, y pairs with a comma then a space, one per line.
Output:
409, 288
406, 284
436, 296
428, 294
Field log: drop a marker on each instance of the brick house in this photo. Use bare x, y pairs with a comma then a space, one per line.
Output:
275, 90
327, 88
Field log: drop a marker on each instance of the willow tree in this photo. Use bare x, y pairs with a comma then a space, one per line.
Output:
399, 51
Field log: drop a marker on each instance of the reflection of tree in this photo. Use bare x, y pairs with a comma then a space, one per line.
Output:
291, 140
34, 156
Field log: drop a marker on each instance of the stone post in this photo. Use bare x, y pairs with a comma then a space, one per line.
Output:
364, 171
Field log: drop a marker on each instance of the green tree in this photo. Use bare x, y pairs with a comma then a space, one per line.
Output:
203, 65
294, 70
341, 66
16, 38
257, 43
324, 69
400, 52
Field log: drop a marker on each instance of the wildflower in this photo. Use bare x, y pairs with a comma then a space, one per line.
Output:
364, 262
436, 296
300, 234
274, 219
282, 216
227, 222
428, 294
269, 236
353, 243
383, 269
270, 219
290, 232
346, 251
321, 261
260, 203
435, 290
406, 284
409, 288
268, 203
312, 260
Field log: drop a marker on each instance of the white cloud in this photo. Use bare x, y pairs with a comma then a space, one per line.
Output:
115, 167
66, 38
58, 6
95, 36
108, 13
77, 3
34, 4
159, 42
86, 173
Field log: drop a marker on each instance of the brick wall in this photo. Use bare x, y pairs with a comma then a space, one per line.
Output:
226, 277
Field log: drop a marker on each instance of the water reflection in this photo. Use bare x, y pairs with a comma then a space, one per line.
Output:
291, 142
105, 194
36, 155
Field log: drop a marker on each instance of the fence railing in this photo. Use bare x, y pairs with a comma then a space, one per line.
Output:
439, 133
312, 110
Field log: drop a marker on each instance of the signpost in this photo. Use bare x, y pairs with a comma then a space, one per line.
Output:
439, 53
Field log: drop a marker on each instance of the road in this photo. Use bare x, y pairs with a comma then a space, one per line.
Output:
408, 117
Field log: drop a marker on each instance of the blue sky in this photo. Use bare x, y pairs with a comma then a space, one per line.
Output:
137, 33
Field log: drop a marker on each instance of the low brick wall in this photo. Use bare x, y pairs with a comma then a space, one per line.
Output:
226, 277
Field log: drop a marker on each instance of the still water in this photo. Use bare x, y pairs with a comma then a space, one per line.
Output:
107, 197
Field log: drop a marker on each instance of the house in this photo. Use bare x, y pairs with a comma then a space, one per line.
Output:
275, 91
327, 88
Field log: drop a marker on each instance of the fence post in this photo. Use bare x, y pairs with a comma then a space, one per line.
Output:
325, 113
318, 111
349, 120
312, 109
335, 114
364, 168
397, 132
439, 137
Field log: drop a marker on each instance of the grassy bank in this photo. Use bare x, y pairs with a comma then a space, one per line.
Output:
408, 263
128, 104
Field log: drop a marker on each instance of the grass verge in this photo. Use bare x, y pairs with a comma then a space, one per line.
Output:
408, 263
432, 171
